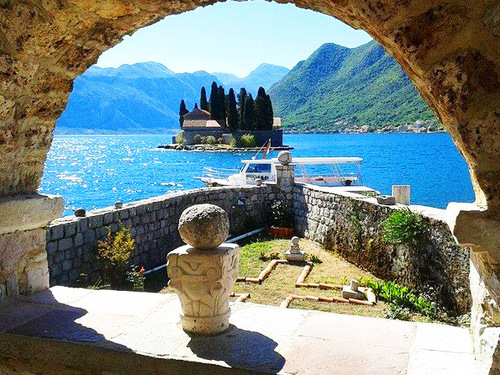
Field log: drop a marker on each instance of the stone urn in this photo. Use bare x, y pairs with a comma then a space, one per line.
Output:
203, 272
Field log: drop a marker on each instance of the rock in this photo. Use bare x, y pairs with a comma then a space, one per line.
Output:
285, 157
204, 226
80, 212
386, 199
118, 204
347, 293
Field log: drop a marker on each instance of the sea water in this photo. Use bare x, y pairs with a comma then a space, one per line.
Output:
96, 171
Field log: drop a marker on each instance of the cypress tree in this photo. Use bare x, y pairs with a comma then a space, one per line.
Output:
249, 113
241, 107
203, 99
182, 111
232, 112
214, 102
261, 115
222, 105
270, 113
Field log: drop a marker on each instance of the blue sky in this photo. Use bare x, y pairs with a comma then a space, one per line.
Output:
233, 37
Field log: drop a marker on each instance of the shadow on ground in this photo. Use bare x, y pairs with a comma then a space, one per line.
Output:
240, 348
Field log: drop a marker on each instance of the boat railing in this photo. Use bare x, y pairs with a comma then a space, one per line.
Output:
329, 174
219, 173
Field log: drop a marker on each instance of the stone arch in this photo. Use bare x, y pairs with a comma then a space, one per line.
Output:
450, 49
447, 48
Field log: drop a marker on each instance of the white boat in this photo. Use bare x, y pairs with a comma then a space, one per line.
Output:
320, 171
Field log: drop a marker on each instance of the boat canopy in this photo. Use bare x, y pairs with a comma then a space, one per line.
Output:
309, 161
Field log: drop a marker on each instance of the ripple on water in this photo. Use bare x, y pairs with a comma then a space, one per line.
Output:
95, 171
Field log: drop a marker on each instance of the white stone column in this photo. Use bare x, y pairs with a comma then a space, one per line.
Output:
23, 258
401, 194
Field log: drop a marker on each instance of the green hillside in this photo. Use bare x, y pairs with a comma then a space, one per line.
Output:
338, 87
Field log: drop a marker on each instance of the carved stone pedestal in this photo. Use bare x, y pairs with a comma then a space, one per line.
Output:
203, 280
203, 273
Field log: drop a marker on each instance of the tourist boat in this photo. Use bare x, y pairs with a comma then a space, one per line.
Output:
320, 171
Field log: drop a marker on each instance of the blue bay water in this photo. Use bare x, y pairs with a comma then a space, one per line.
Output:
96, 171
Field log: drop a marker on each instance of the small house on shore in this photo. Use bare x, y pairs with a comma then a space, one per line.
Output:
199, 122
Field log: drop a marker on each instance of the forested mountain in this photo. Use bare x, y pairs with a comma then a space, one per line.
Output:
338, 87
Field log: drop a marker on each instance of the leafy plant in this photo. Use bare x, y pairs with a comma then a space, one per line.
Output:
114, 253
233, 143
397, 312
136, 277
197, 139
403, 226
247, 140
313, 258
402, 296
179, 138
210, 140
281, 214
364, 281
344, 280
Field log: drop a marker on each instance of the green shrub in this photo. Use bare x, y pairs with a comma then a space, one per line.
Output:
210, 140
403, 226
281, 214
247, 140
114, 253
402, 296
198, 139
397, 312
233, 143
364, 281
179, 138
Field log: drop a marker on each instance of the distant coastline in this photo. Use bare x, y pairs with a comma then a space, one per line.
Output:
172, 132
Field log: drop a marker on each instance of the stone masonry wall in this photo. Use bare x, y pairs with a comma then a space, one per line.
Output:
350, 225
72, 241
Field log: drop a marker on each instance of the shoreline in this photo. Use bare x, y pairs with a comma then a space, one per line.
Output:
215, 148
284, 133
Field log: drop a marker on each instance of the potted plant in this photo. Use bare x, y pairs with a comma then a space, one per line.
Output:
281, 219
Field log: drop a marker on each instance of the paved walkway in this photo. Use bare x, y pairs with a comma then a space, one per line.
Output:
141, 333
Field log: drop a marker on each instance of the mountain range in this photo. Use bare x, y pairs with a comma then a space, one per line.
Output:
264, 75
145, 97
334, 89
338, 87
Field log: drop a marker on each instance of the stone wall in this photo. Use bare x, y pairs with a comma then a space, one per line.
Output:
262, 136
23, 260
351, 225
72, 241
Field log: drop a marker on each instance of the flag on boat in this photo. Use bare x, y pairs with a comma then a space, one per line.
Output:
266, 150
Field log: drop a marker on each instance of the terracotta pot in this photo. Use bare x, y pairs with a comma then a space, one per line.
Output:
280, 232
